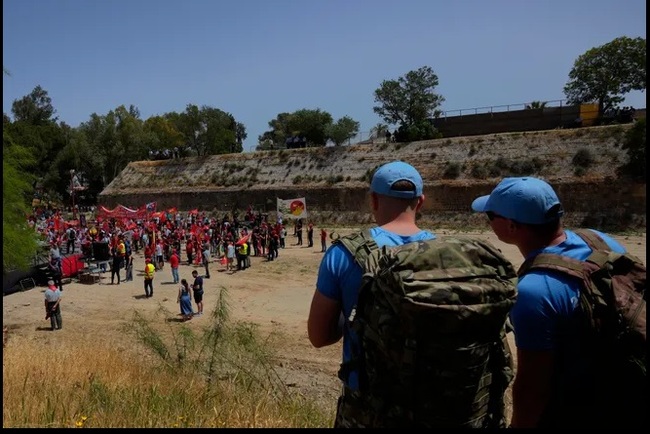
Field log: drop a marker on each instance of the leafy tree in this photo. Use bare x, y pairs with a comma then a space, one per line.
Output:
342, 130
635, 145
420, 130
19, 241
35, 108
605, 73
240, 133
409, 100
115, 139
312, 124
275, 138
79, 155
161, 133
208, 130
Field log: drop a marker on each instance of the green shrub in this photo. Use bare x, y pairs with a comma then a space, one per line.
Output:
583, 158
452, 171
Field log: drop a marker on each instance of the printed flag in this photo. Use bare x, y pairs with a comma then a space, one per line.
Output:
292, 208
151, 206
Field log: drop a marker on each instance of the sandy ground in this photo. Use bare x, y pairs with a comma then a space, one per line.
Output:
276, 295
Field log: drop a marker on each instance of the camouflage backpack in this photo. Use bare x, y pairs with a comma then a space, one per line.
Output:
430, 319
613, 299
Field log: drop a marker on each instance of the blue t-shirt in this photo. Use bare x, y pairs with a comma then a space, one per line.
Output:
547, 300
547, 317
339, 278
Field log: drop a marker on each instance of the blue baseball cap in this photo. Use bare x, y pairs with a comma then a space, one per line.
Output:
390, 173
525, 200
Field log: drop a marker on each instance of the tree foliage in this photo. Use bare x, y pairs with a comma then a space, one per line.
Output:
208, 130
35, 108
314, 125
409, 101
19, 241
342, 130
604, 74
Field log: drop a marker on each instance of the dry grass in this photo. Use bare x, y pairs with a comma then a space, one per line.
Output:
155, 376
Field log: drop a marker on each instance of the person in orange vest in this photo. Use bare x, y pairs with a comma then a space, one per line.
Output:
149, 271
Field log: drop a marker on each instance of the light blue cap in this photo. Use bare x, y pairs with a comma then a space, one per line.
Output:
390, 173
525, 200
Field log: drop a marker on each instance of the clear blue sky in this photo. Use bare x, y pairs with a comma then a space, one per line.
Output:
257, 58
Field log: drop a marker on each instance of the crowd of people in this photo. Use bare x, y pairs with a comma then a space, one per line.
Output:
171, 237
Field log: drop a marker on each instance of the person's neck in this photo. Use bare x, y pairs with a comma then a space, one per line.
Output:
532, 244
402, 224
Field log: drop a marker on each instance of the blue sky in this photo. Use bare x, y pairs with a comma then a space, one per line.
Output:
258, 58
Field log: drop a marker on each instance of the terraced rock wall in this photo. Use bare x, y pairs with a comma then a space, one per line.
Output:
334, 180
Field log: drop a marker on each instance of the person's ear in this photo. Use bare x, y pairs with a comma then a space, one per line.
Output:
374, 202
420, 202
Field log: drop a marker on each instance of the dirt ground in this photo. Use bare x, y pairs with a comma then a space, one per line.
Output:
276, 295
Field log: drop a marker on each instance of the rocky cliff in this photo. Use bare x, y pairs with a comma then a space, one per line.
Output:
580, 163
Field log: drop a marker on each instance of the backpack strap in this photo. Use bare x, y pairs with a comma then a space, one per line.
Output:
593, 240
591, 296
360, 245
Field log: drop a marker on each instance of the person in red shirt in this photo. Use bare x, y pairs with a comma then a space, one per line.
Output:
174, 261
189, 249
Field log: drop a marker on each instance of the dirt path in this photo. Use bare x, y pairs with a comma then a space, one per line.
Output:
276, 295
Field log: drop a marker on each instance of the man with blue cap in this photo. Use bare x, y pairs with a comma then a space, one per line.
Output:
553, 384
396, 194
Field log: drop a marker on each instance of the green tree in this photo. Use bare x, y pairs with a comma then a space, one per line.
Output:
604, 74
35, 108
208, 130
409, 100
275, 137
161, 133
312, 124
116, 139
19, 241
342, 130
240, 133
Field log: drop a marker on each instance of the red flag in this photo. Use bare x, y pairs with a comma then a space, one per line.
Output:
243, 240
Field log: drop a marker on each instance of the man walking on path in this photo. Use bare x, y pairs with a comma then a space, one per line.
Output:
174, 261
149, 271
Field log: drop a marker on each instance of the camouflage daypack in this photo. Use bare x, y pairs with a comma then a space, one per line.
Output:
430, 318
613, 299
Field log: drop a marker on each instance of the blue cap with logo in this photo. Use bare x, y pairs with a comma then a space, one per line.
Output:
390, 173
525, 200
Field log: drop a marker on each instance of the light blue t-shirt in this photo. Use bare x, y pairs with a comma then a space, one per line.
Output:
543, 315
339, 278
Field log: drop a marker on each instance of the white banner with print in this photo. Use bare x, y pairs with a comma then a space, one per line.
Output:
292, 208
